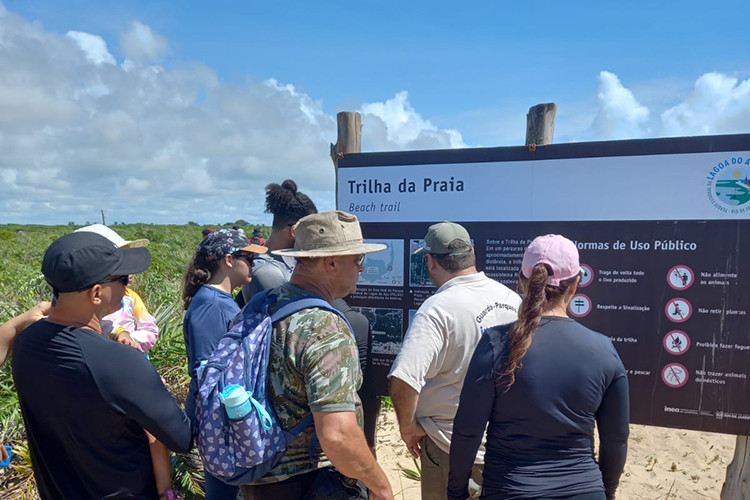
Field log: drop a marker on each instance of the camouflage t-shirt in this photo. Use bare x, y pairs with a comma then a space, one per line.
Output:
314, 367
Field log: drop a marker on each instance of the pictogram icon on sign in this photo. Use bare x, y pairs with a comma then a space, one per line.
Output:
680, 277
676, 342
587, 277
580, 306
679, 310
674, 375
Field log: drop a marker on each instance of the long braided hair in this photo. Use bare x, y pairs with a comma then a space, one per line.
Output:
539, 297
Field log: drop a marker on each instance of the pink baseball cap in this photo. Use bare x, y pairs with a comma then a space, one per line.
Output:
558, 252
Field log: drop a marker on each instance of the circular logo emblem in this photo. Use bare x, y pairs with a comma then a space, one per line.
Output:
728, 185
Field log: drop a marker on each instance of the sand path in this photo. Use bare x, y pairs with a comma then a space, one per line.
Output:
668, 464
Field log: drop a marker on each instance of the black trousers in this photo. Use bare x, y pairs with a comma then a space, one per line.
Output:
293, 488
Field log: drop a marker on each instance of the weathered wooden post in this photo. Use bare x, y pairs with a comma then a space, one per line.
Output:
540, 124
737, 483
348, 140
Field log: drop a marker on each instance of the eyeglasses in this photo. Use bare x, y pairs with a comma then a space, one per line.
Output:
247, 257
360, 259
124, 279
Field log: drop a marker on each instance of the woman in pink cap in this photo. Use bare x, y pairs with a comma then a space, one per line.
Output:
542, 383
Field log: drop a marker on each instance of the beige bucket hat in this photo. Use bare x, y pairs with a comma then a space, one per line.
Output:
328, 234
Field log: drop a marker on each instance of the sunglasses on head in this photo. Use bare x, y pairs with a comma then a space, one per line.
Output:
124, 279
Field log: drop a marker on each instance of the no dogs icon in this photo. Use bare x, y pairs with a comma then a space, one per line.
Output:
674, 375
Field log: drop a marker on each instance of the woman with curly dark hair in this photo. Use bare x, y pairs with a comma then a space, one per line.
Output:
287, 206
542, 383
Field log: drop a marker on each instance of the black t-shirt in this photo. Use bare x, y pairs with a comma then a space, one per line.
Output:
85, 401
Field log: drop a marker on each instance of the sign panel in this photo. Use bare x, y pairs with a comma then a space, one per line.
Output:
659, 226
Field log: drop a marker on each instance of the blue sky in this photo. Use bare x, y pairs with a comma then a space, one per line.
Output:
176, 111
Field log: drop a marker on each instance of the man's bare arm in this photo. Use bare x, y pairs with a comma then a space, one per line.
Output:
344, 443
11, 328
405, 400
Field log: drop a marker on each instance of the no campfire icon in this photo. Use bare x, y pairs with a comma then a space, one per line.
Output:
676, 342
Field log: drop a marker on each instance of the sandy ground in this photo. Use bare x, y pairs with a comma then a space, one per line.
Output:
662, 463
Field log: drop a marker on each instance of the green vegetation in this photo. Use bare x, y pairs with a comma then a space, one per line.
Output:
22, 285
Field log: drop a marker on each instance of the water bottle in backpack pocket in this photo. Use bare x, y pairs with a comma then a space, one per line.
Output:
238, 436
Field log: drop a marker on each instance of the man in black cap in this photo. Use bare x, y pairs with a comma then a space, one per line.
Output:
86, 399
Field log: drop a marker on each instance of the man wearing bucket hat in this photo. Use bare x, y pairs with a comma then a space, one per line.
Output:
84, 418
313, 367
427, 376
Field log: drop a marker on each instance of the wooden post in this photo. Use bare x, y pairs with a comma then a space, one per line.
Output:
737, 483
540, 124
349, 140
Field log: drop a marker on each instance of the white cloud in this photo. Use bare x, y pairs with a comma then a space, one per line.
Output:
149, 143
141, 44
719, 104
396, 123
620, 114
137, 185
172, 143
93, 46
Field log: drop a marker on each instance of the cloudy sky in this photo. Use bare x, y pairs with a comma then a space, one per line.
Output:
168, 112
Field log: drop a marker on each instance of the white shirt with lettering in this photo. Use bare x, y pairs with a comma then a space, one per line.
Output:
439, 344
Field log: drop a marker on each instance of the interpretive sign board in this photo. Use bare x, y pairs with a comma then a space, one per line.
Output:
663, 230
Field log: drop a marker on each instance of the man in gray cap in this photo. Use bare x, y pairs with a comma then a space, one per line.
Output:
429, 371
86, 399
313, 367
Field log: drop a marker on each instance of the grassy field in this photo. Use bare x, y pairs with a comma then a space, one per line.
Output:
22, 285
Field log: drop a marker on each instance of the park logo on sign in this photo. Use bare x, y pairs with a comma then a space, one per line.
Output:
728, 185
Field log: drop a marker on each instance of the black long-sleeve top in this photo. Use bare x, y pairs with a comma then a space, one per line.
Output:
85, 401
540, 438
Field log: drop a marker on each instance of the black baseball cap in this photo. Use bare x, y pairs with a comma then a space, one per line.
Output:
77, 261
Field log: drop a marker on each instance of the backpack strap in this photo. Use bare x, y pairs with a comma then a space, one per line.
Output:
287, 310
295, 431
297, 305
261, 300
